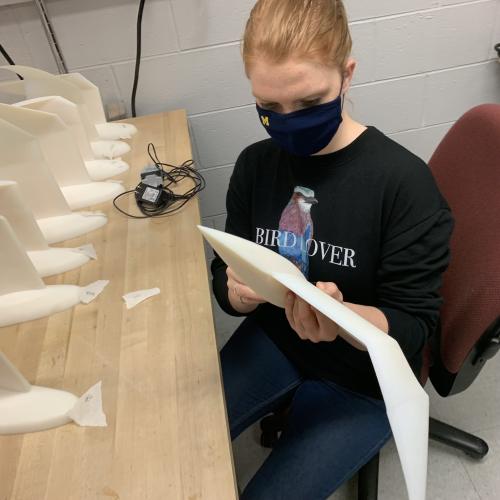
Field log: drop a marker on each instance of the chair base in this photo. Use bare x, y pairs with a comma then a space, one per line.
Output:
471, 445
271, 427
368, 480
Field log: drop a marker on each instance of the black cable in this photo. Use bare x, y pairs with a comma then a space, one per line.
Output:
170, 202
137, 55
9, 59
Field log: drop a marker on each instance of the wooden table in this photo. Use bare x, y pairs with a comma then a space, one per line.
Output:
167, 435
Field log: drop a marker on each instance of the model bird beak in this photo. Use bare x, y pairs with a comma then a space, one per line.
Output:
311, 200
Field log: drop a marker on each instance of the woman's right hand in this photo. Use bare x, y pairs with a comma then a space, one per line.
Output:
241, 297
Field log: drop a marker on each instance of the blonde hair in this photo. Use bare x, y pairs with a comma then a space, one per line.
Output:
315, 29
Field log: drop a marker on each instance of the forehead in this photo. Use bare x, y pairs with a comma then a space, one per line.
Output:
289, 80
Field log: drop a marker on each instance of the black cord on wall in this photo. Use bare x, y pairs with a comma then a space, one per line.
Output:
9, 59
137, 55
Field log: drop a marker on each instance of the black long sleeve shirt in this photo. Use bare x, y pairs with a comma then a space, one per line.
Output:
369, 218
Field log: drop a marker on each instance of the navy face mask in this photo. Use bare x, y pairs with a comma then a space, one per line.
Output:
306, 131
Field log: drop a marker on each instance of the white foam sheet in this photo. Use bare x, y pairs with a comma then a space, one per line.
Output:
91, 147
109, 149
87, 411
88, 250
38, 409
115, 131
62, 156
54, 261
16, 270
136, 297
74, 87
59, 147
89, 93
86, 98
102, 169
23, 295
69, 113
28, 229
407, 404
28, 305
90, 292
47, 261
12, 89
22, 161
20, 217
38, 83
92, 98
93, 193
26, 408
65, 227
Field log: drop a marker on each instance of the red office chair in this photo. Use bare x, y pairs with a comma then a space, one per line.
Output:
466, 166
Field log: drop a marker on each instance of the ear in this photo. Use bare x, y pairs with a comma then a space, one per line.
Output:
348, 73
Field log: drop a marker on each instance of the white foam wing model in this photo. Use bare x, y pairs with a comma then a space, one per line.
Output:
59, 142
92, 98
38, 83
29, 408
23, 295
68, 112
61, 154
12, 91
47, 260
407, 404
89, 93
21, 161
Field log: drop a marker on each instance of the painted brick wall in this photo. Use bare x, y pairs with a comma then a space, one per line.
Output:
421, 64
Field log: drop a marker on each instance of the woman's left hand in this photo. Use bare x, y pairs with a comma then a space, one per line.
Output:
309, 323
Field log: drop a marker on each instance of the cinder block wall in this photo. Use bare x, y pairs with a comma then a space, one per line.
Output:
421, 64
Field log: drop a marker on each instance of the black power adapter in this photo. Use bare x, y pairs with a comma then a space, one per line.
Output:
154, 196
150, 191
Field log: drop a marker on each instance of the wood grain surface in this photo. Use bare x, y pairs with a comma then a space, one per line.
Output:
167, 435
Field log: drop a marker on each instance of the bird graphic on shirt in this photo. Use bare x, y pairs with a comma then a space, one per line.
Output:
296, 227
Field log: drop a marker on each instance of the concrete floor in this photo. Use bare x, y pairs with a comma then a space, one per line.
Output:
451, 474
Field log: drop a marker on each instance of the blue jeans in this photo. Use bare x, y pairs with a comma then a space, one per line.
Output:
331, 432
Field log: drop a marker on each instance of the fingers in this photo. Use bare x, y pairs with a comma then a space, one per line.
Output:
295, 312
307, 322
306, 318
331, 289
289, 303
301, 318
232, 275
247, 295
242, 292
327, 327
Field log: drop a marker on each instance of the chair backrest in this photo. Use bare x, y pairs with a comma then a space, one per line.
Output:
466, 166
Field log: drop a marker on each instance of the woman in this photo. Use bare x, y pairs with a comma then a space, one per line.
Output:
360, 216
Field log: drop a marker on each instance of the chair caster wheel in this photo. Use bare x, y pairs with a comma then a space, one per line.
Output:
268, 439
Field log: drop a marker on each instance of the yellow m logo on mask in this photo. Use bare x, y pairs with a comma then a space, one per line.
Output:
265, 120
